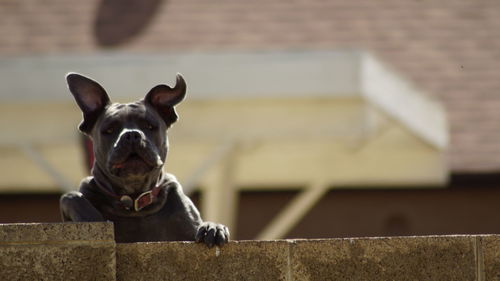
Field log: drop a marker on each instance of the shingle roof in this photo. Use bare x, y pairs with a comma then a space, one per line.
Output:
449, 48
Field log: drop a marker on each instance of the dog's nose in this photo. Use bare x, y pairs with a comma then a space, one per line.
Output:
132, 136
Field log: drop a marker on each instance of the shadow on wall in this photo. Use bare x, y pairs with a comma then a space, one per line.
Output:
118, 21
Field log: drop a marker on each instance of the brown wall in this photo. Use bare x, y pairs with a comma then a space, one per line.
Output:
29, 208
470, 205
358, 213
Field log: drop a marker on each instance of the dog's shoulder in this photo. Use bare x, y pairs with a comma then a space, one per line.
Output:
171, 184
174, 189
86, 184
90, 190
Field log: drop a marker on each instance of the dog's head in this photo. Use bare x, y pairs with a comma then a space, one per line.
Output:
130, 140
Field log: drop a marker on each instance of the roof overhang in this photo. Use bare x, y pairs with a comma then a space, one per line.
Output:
299, 74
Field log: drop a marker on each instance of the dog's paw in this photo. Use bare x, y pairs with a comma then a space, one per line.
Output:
212, 234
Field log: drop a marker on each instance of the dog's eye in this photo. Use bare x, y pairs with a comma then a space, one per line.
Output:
109, 131
151, 126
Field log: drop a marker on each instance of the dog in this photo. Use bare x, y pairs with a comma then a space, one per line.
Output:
128, 185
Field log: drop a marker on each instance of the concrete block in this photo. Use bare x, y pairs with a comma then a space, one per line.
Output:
491, 257
69, 251
408, 258
243, 260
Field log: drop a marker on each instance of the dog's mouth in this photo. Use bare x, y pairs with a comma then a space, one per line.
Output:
133, 164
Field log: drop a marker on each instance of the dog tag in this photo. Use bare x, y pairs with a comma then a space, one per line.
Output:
127, 201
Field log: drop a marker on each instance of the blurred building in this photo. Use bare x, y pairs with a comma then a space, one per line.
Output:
303, 118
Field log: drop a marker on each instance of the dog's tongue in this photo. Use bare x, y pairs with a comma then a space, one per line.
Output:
133, 164
132, 158
118, 166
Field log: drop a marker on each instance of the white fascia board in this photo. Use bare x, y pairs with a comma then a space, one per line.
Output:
208, 75
400, 99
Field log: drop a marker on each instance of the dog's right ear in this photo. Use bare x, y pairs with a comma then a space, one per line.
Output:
90, 97
163, 99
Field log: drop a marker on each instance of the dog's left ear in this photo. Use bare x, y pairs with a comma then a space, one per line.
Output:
163, 99
90, 97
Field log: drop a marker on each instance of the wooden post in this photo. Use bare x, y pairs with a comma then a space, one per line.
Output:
219, 202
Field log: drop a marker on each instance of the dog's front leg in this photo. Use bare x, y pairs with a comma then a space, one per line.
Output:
75, 207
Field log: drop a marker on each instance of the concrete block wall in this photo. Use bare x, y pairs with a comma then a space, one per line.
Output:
88, 252
70, 251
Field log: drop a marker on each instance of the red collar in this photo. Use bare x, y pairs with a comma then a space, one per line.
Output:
143, 200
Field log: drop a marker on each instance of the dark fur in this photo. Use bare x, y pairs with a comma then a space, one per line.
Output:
130, 148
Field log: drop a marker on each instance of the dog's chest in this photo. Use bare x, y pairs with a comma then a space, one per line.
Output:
161, 226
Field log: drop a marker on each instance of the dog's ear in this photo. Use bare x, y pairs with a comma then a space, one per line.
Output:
163, 99
90, 97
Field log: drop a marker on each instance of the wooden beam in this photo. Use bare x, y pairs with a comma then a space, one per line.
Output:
294, 212
43, 164
212, 160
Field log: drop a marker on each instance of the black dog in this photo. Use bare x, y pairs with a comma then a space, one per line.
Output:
128, 185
